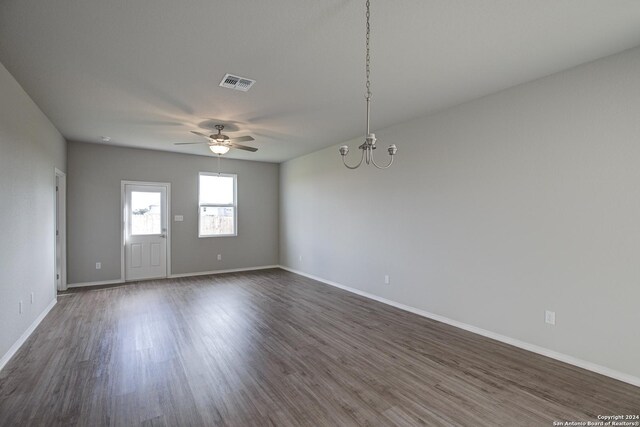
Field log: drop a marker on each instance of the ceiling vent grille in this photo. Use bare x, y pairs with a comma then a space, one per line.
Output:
238, 83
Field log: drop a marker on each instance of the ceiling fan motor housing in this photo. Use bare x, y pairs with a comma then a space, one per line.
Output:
219, 137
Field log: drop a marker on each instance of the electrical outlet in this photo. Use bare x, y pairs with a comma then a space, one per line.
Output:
550, 317
219, 257
20, 307
300, 258
386, 279
31, 297
98, 265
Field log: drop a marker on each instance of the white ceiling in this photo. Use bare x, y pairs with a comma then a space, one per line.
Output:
146, 72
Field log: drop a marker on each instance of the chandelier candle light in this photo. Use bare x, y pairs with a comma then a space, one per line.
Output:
369, 143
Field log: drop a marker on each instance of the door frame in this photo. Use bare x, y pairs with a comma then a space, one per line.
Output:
60, 225
123, 229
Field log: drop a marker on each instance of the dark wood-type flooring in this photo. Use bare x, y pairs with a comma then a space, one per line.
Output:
274, 348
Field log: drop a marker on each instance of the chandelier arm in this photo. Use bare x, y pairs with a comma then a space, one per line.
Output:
381, 167
356, 166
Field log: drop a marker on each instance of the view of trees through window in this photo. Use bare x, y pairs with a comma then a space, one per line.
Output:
145, 213
216, 221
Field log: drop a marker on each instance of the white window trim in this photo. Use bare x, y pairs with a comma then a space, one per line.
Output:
234, 205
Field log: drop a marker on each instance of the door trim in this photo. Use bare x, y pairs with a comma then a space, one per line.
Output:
60, 215
123, 230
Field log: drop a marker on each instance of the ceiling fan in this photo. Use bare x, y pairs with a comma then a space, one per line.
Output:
221, 144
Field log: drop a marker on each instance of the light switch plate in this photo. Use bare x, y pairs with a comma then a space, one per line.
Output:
178, 218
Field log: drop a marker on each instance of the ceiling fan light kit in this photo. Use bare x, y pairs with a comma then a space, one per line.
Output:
219, 149
369, 143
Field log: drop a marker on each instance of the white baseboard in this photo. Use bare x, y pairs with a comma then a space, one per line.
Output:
232, 270
99, 283
171, 276
476, 330
16, 346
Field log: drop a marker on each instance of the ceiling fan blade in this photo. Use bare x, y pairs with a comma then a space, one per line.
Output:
242, 139
200, 133
188, 143
243, 147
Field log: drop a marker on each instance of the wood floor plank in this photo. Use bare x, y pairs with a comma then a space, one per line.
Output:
271, 348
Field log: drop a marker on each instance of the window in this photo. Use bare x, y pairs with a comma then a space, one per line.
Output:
145, 213
218, 211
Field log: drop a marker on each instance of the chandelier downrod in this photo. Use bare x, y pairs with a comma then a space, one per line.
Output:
369, 143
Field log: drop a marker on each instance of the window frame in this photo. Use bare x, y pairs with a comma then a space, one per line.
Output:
234, 205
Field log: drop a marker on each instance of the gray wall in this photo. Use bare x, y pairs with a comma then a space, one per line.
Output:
93, 210
30, 149
496, 210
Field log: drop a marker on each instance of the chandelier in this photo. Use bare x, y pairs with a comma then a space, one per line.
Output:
369, 143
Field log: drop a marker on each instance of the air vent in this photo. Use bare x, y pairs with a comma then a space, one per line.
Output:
238, 83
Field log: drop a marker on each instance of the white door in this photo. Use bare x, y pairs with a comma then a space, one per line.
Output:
61, 231
58, 242
145, 231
